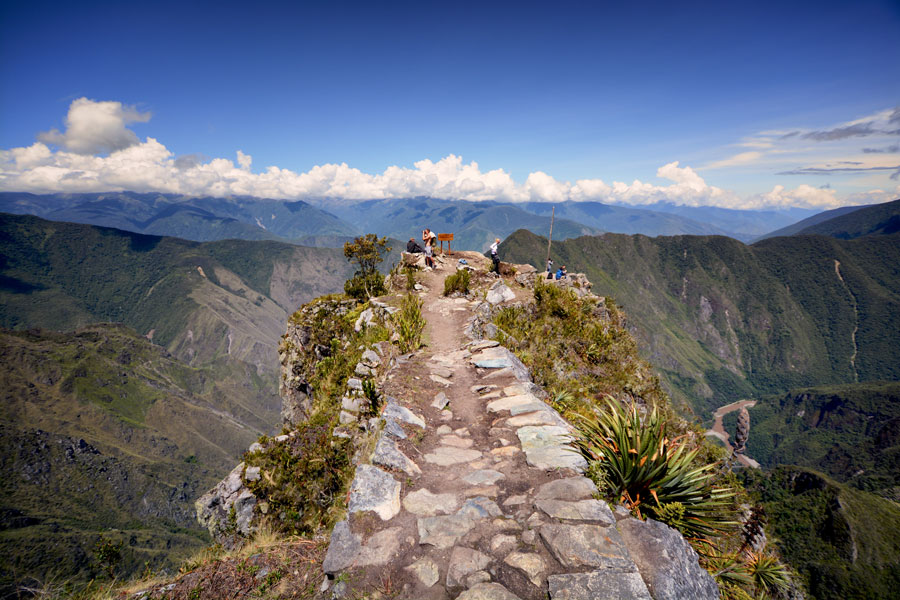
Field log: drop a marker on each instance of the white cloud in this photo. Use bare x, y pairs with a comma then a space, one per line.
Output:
93, 127
744, 158
245, 160
96, 127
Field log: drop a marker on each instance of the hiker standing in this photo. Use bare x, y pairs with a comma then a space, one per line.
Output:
428, 237
495, 258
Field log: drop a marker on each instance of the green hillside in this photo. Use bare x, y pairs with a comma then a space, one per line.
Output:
878, 219
119, 428
724, 321
192, 218
106, 434
203, 301
850, 432
845, 543
795, 228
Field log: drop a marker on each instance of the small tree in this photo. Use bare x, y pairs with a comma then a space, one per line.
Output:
367, 252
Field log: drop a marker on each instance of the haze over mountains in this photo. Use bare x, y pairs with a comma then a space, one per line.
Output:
330, 222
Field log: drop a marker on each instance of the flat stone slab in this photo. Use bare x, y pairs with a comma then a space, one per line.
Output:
531, 564
401, 413
443, 531
440, 380
443, 430
569, 488
440, 401
463, 562
442, 372
481, 345
487, 591
516, 389
493, 363
393, 428
457, 442
480, 508
388, 455
608, 584
581, 510
490, 491
380, 549
342, 549
546, 447
426, 570
510, 402
425, 504
483, 477
373, 489
501, 543
505, 451
578, 546
445, 456
482, 388
531, 407
541, 416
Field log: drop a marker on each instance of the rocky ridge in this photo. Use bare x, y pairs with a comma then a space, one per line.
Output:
473, 493
470, 489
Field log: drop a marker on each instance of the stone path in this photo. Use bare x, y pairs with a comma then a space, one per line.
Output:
472, 492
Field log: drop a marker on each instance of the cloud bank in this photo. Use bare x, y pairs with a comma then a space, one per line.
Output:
97, 152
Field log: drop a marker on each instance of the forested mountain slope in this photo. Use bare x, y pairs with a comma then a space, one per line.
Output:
723, 321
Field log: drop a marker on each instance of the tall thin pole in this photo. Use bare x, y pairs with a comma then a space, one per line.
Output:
550, 239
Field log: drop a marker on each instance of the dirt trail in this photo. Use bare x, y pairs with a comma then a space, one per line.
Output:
837, 271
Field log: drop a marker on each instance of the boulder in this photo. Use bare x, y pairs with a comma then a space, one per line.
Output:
374, 490
666, 562
227, 509
499, 293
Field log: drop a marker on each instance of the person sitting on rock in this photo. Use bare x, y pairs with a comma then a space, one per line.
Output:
412, 247
562, 273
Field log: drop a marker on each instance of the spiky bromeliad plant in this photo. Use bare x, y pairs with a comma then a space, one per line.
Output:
648, 471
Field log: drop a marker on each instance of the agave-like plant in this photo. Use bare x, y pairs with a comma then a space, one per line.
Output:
770, 576
648, 470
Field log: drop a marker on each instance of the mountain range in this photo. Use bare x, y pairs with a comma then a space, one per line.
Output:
330, 222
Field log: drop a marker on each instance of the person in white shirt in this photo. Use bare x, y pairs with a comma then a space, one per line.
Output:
495, 258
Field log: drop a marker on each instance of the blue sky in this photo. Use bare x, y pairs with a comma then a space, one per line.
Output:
733, 104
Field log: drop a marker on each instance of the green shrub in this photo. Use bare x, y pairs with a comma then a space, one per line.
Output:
458, 282
409, 323
363, 287
367, 252
373, 396
577, 347
410, 272
649, 471
303, 479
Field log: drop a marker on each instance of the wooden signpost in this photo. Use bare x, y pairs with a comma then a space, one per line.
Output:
446, 237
